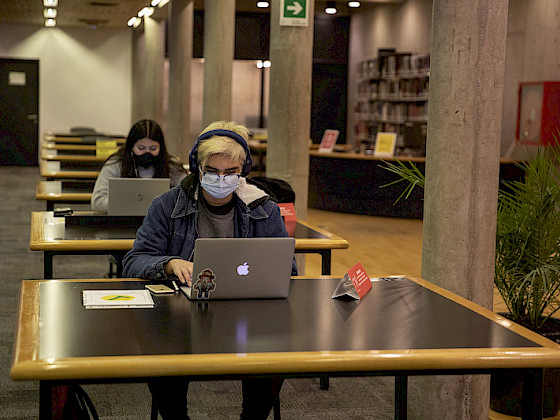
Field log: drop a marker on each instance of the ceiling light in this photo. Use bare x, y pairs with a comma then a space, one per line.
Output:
159, 3
50, 3
49, 13
331, 8
132, 21
260, 64
263, 4
354, 4
146, 11
50, 22
266, 64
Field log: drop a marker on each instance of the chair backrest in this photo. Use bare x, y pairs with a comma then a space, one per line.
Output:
82, 130
278, 189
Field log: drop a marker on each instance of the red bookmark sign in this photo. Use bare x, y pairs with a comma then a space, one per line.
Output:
360, 279
288, 213
355, 283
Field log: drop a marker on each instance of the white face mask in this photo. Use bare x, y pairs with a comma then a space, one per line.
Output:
219, 186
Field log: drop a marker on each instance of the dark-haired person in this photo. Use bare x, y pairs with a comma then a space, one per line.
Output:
143, 156
214, 200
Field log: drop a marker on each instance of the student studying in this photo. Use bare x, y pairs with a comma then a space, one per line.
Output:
143, 156
215, 201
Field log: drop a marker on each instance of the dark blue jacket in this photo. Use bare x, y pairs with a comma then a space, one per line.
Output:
169, 229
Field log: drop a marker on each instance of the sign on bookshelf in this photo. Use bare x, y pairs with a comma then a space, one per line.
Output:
385, 144
328, 141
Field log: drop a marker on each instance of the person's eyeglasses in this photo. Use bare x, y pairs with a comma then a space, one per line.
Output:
214, 178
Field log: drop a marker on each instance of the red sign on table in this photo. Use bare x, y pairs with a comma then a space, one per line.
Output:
355, 283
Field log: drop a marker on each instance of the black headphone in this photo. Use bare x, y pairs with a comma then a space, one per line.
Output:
193, 155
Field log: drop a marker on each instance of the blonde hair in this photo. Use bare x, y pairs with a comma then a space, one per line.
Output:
222, 145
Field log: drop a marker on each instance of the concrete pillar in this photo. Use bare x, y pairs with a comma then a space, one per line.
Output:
153, 78
177, 135
138, 75
289, 113
462, 169
219, 38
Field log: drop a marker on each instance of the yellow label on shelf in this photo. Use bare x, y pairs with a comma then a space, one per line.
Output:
385, 144
105, 148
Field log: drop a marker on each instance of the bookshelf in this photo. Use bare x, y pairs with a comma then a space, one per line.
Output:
392, 96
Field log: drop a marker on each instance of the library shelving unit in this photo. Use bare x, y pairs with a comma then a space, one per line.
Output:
392, 97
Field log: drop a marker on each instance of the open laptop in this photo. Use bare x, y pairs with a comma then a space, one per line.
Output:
241, 268
133, 196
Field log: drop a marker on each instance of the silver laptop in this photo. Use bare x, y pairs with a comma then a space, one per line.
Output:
241, 268
133, 196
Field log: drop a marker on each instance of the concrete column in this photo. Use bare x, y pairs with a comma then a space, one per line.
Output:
289, 114
153, 78
138, 75
219, 38
177, 135
462, 169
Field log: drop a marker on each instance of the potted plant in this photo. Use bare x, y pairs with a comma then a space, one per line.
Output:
527, 265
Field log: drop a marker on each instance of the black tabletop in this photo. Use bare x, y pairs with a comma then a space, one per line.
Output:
396, 314
124, 227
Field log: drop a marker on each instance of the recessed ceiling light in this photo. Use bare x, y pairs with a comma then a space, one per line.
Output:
49, 13
263, 4
331, 8
146, 11
50, 3
50, 22
354, 4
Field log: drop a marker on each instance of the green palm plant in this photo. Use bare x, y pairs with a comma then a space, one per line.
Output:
527, 266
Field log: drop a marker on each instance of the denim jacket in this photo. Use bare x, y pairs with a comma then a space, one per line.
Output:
169, 229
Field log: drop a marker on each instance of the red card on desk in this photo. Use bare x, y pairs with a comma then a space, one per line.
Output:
360, 279
288, 213
355, 283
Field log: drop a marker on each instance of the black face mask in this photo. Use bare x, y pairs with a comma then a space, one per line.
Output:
144, 161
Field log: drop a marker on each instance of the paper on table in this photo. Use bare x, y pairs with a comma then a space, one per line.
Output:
106, 299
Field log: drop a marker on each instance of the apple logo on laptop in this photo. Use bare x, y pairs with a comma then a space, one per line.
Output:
243, 269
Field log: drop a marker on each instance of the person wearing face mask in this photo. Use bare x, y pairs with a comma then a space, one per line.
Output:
143, 156
215, 200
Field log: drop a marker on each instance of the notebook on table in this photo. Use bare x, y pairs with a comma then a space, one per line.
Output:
241, 268
133, 196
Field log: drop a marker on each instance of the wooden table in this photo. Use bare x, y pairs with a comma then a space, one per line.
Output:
67, 192
51, 169
59, 341
50, 235
78, 138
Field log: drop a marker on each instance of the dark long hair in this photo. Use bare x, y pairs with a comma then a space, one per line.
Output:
141, 130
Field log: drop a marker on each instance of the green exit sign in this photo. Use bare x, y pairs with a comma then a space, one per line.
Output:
294, 13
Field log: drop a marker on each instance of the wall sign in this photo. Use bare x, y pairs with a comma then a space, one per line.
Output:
293, 12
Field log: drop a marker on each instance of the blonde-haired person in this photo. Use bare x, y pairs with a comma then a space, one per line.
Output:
214, 200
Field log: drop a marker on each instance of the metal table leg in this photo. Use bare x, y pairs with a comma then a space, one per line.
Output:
532, 394
48, 265
45, 400
325, 261
401, 396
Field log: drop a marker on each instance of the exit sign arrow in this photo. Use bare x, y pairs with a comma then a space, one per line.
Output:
295, 8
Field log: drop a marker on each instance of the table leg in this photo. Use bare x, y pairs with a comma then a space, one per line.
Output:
48, 265
45, 400
401, 383
324, 383
50, 205
325, 261
532, 394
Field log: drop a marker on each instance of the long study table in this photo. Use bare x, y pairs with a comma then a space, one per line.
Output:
52, 170
308, 334
67, 192
99, 234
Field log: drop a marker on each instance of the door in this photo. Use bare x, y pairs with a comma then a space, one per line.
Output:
19, 112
